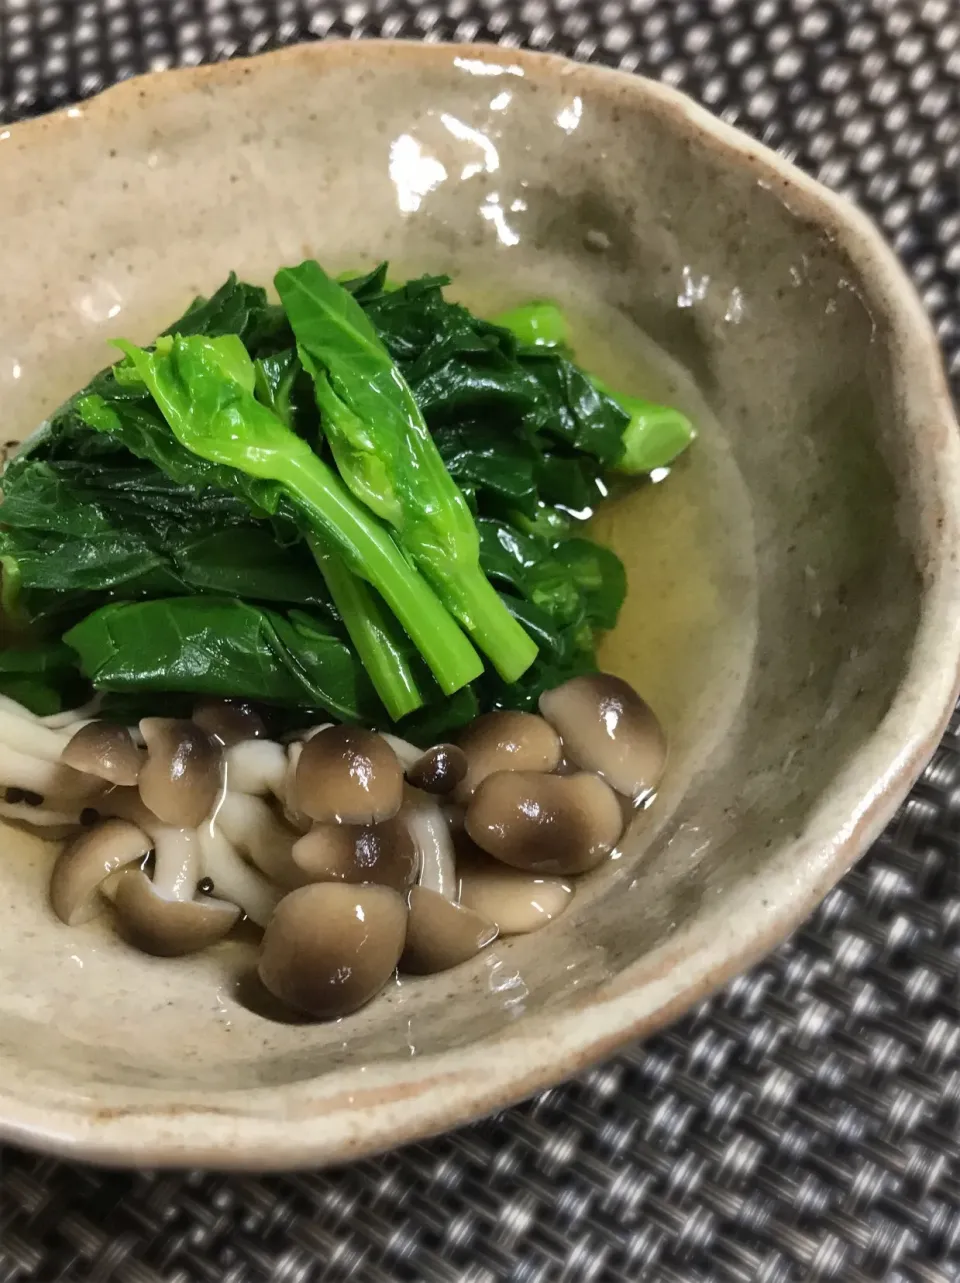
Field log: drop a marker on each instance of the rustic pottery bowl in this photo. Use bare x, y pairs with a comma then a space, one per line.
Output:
795, 595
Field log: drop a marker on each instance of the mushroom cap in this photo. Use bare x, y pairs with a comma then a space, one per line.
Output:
441, 934
382, 853
106, 750
439, 770
168, 928
331, 947
607, 728
545, 823
347, 775
517, 902
230, 721
506, 741
180, 779
83, 865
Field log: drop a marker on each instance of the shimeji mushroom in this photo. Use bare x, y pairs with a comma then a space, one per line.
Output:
180, 779
331, 947
440, 934
87, 861
30, 760
545, 823
439, 770
506, 741
106, 751
517, 902
607, 728
229, 721
176, 851
168, 927
347, 775
382, 853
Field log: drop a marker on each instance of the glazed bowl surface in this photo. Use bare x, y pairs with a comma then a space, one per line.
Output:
794, 594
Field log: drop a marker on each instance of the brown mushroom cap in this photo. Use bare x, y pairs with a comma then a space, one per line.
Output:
381, 853
506, 741
230, 721
331, 947
440, 934
90, 858
439, 770
607, 728
168, 928
180, 779
545, 823
347, 775
517, 902
105, 750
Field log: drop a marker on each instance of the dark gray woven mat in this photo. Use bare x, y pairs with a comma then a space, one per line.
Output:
805, 1125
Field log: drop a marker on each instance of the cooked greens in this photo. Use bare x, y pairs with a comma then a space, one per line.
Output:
336, 503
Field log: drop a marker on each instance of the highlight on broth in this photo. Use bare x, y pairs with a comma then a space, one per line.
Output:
301, 630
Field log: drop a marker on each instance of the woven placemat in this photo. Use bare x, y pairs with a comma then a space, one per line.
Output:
805, 1124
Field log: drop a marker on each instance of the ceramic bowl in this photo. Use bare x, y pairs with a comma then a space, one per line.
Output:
794, 591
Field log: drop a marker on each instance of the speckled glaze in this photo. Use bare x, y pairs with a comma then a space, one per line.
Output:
831, 494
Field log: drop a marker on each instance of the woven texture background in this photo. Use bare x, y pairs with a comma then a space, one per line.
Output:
805, 1124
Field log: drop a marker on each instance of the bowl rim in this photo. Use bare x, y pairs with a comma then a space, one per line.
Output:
331, 1118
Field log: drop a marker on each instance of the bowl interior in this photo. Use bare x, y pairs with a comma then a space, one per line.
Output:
774, 581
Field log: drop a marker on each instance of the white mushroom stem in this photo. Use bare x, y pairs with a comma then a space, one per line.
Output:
299, 737
234, 879
61, 783
176, 862
407, 753
431, 836
258, 767
252, 827
73, 718
302, 823
38, 815
32, 737
176, 851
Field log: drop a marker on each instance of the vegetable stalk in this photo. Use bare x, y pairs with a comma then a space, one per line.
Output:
370, 633
654, 435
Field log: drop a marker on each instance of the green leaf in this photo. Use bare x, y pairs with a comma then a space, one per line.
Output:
226, 648
44, 678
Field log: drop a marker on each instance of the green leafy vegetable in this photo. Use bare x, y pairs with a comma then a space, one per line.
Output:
302, 503
205, 395
386, 455
43, 678
223, 647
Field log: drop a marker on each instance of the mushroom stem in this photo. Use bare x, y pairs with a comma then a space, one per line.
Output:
19, 770
73, 717
176, 862
252, 827
39, 816
234, 879
257, 766
406, 752
431, 836
32, 737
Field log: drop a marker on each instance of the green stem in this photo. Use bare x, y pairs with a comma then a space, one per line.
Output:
540, 324
370, 550
471, 598
370, 633
655, 435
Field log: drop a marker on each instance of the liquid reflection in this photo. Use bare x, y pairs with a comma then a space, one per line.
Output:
413, 172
